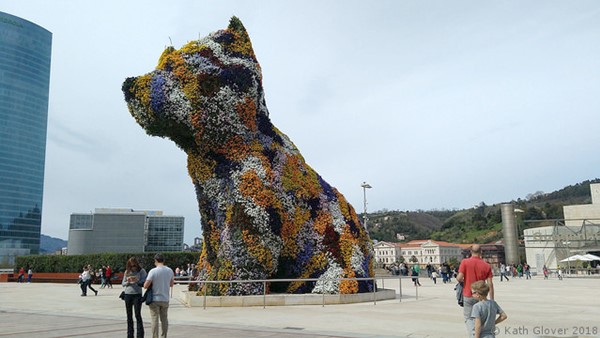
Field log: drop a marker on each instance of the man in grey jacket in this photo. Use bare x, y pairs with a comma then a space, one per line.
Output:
161, 279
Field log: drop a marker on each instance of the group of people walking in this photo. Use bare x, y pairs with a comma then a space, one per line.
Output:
514, 270
21, 277
444, 271
89, 276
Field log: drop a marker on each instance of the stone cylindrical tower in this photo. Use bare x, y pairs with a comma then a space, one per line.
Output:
509, 231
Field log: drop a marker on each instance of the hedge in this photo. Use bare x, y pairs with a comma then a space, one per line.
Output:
117, 261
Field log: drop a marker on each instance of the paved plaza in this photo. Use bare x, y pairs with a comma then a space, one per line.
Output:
535, 308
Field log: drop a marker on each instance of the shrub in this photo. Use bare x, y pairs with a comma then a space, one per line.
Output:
117, 261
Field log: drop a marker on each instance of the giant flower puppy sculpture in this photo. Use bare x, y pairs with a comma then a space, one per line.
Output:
265, 213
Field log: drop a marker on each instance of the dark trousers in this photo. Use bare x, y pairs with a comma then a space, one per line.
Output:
133, 304
85, 285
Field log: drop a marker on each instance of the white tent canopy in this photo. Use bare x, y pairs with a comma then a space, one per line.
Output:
592, 257
577, 258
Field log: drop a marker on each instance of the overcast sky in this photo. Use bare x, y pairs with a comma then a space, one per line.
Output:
436, 104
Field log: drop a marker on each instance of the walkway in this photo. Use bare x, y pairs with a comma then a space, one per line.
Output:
535, 308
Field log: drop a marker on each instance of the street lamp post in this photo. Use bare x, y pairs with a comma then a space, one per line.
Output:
365, 186
568, 255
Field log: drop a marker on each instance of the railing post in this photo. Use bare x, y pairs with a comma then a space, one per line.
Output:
264, 294
374, 292
400, 287
205, 292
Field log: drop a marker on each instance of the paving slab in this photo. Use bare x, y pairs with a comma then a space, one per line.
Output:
535, 308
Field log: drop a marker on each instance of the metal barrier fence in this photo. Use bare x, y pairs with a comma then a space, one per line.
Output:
203, 285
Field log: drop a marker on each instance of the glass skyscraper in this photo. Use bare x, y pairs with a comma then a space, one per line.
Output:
25, 50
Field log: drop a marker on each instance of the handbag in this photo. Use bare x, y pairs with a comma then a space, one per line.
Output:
148, 296
122, 295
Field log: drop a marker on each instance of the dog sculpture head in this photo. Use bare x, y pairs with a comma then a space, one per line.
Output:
205, 95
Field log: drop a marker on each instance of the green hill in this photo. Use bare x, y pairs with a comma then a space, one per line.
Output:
481, 224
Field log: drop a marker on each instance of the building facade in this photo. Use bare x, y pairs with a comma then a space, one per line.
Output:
25, 50
422, 252
124, 230
387, 253
578, 233
431, 252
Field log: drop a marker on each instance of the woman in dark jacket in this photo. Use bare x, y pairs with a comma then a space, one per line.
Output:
133, 280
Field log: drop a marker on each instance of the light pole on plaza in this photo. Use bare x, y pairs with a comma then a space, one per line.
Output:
568, 255
365, 186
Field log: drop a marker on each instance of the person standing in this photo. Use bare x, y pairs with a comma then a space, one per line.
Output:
21, 277
503, 273
108, 276
445, 271
471, 270
29, 275
133, 280
102, 273
485, 312
416, 269
161, 279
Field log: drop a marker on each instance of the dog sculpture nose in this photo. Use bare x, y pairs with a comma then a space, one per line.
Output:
126, 88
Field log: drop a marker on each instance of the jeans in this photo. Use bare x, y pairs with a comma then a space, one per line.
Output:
467, 309
133, 304
158, 310
85, 285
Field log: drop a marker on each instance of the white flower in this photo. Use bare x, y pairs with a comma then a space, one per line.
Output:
328, 282
356, 261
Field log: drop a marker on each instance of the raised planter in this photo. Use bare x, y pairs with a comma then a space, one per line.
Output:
191, 299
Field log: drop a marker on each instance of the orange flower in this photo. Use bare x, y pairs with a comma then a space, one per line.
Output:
258, 251
251, 186
247, 113
348, 286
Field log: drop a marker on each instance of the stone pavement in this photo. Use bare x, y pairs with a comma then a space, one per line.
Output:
535, 308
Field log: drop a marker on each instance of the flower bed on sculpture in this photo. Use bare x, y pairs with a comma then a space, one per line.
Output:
265, 213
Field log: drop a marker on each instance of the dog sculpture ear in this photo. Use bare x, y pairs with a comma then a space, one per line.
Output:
235, 24
241, 43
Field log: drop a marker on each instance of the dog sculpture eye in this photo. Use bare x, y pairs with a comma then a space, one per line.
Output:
238, 78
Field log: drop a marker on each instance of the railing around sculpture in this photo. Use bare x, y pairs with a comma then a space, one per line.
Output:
203, 284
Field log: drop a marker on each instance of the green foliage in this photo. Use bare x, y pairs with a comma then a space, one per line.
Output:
483, 224
117, 261
452, 262
383, 226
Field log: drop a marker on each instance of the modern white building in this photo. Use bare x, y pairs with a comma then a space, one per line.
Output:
124, 230
579, 234
578, 215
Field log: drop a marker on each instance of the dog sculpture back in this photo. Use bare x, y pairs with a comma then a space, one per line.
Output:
264, 212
